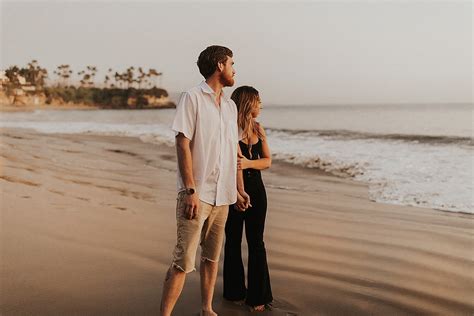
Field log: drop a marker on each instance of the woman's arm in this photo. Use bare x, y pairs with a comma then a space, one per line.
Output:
264, 162
243, 199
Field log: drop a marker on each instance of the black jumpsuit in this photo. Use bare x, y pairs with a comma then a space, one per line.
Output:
258, 290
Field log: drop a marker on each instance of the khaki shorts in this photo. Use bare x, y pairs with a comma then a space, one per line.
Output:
207, 229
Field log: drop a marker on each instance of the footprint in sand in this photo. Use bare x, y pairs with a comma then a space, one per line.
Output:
82, 198
22, 181
119, 151
115, 206
280, 307
168, 157
71, 151
57, 192
276, 308
15, 137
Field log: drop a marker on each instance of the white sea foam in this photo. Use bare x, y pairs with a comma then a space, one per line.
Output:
409, 173
401, 171
151, 133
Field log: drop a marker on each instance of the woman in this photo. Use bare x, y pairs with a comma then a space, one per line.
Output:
255, 157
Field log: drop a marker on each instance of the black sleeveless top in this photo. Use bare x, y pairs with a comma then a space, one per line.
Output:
257, 153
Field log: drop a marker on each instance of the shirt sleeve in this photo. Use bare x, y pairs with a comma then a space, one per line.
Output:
185, 118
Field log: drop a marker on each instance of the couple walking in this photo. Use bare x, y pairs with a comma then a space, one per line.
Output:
221, 149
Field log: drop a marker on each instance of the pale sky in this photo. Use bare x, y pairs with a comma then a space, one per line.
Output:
293, 52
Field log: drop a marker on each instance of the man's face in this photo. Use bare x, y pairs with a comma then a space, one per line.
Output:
228, 73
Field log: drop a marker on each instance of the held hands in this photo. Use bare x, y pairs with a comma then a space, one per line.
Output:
243, 202
242, 162
191, 203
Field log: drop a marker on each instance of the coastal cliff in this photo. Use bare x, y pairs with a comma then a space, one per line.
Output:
86, 98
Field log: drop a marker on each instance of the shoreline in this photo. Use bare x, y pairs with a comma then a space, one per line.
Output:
281, 161
101, 209
68, 107
32, 108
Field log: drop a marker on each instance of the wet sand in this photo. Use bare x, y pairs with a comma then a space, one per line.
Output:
88, 228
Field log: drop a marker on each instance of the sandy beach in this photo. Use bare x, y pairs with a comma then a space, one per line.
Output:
88, 227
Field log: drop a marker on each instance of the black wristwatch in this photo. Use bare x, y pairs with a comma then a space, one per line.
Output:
189, 191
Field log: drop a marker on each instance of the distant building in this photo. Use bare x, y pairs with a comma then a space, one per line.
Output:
24, 86
21, 80
3, 79
28, 88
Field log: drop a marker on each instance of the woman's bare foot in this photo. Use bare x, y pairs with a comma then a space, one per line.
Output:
258, 308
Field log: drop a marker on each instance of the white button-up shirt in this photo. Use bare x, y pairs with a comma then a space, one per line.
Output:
214, 139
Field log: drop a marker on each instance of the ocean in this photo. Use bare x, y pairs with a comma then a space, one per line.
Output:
421, 155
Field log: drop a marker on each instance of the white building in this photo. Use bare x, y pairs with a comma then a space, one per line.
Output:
3, 78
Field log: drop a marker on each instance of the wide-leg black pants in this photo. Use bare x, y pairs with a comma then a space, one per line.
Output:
258, 290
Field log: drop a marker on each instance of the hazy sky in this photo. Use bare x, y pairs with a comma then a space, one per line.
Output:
294, 52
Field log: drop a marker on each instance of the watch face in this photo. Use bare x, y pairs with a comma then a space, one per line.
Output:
190, 191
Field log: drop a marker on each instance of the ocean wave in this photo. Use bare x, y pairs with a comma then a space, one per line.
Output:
350, 135
425, 171
338, 168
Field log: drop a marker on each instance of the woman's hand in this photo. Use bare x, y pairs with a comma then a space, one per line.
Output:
242, 162
243, 202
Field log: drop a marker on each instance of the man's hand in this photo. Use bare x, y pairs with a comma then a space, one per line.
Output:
242, 162
243, 201
191, 203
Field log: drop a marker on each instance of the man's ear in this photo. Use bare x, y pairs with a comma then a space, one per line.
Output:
220, 66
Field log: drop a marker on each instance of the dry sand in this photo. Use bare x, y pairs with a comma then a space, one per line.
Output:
88, 227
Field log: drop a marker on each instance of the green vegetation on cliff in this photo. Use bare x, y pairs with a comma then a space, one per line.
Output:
113, 98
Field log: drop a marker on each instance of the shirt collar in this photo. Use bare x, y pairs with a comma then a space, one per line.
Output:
206, 89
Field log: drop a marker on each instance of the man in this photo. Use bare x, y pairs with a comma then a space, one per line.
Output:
206, 143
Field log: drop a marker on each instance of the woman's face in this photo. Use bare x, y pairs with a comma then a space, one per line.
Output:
256, 108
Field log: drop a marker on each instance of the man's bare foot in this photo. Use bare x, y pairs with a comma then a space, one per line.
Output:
208, 313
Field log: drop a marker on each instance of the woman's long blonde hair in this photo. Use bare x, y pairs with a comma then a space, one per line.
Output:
247, 98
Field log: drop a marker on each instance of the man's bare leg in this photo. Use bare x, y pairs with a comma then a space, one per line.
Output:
208, 270
172, 288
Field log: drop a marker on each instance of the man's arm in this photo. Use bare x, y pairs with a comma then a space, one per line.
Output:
185, 165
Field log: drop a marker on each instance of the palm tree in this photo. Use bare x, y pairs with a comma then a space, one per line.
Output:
106, 81
64, 73
92, 72
141, 77
108, 78
88, 76
153, 73
34, 74
129, 76
117, 78
13, 83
